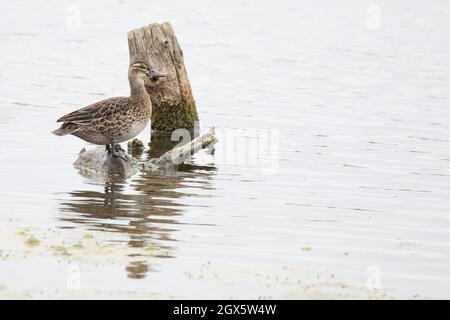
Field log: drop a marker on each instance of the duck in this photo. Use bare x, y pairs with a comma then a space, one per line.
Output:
112, 121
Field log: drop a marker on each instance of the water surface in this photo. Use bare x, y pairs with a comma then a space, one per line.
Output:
360, 182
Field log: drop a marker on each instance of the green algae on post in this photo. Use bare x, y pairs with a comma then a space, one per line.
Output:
168, 117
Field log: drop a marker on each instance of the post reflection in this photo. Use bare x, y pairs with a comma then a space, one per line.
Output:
144, 210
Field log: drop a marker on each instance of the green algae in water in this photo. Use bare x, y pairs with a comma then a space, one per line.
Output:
152, 251
78, 245
88, 236
32, 241
60, 250
23, 232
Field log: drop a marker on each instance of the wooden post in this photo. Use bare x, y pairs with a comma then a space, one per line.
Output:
172, 100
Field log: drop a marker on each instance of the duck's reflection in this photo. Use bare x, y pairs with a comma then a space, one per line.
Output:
137, 269
144, 210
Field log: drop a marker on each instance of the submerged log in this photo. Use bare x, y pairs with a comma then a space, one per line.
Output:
181, 154
172, 100
98, 163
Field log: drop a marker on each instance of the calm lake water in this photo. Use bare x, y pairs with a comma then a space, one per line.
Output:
355, 183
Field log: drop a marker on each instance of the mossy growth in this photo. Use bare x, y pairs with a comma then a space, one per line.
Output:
135, 144
168, 117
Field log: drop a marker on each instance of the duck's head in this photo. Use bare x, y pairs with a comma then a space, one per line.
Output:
141, 71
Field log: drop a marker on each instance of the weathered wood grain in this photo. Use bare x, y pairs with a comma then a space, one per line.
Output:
181, 154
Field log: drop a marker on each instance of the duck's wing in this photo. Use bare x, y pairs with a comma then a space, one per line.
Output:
101, 109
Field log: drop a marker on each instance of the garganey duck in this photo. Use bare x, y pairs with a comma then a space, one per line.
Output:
115, 120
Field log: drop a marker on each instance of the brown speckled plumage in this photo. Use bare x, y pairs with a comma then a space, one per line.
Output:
116, 119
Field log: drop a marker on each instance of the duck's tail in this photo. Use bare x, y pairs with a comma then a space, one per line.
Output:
66, 128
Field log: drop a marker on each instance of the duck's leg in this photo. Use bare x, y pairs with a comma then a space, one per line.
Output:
115, 149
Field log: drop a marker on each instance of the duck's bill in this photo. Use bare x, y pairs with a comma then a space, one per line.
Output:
155, 74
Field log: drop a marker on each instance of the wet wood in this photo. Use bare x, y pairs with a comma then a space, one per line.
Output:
98, 163
181, 154
173, 103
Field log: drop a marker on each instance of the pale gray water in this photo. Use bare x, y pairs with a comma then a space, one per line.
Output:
363, 120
